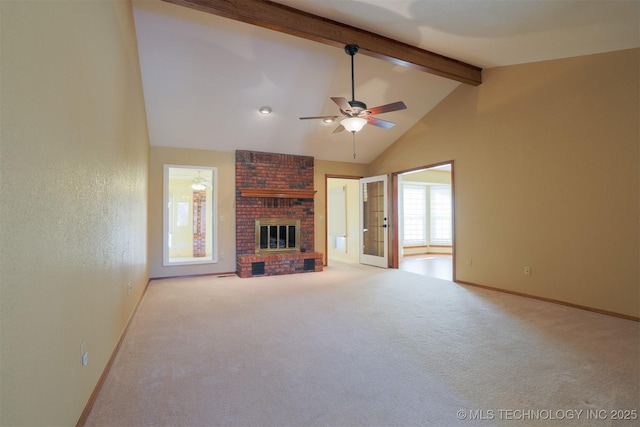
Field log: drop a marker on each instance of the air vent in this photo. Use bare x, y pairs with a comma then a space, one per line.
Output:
309, 264
257, 268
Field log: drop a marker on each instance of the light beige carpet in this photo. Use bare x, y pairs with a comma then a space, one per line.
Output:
362, 346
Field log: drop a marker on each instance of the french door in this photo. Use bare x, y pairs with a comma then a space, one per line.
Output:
374, 221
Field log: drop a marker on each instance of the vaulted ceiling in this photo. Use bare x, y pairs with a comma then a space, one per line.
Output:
205, 75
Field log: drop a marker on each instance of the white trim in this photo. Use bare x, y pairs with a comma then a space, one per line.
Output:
213, 215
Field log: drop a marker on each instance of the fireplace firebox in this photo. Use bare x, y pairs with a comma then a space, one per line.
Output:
277, 235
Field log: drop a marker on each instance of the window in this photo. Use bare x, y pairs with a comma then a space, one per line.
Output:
190, 234
414, 207
441, 215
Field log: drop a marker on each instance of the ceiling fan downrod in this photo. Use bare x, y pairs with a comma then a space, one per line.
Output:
351, 50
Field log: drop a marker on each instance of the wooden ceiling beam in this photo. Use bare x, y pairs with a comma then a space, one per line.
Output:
285, 19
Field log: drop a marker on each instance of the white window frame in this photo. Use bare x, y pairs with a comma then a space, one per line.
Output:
170, 218
439, 214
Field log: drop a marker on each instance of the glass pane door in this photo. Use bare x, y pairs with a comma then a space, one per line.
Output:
374, 220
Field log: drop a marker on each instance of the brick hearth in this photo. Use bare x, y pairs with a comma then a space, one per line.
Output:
287, 183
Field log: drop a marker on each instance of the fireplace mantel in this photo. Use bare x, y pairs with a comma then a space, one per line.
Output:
277, 193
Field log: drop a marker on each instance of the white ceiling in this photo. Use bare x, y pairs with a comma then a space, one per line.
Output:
204, 76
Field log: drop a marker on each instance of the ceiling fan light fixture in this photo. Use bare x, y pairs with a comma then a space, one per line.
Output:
353, 124
199, 183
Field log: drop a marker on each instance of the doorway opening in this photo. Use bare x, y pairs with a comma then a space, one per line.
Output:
423, 205
343, 219
357, 220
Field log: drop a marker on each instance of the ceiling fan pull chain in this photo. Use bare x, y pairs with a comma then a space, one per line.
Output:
354, 144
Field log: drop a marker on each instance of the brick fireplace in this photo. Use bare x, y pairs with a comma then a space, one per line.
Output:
276, 190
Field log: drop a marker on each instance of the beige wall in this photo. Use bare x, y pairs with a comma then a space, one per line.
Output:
429, 176
225, 163
73, 215
546, 175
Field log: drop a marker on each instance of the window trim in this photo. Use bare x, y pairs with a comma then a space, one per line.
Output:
213, 259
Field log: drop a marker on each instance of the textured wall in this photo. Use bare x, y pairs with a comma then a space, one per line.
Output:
73, 197
547, 175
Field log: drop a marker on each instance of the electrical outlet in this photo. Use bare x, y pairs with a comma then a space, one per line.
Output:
468, 263
128, 288
221, 256
527, 271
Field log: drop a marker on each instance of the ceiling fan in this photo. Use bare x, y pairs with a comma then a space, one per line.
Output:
356, 112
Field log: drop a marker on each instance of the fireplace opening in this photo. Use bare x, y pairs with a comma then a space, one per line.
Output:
277, 235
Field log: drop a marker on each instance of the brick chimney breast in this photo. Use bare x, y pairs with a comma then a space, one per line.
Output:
288, 174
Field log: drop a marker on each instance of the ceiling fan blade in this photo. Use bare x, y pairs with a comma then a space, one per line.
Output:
395, 106
380, 123
319, 117
338, 129
342, 103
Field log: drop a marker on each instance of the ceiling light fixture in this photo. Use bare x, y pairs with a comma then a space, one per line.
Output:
353, 124
328, 120
265, 110
198, 186
199, 183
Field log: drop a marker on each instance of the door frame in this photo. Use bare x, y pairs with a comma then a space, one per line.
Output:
394, 252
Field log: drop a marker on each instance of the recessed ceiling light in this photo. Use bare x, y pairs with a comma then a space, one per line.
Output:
265, 110
328, 120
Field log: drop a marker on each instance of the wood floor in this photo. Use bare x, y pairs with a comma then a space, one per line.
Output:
432, 265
